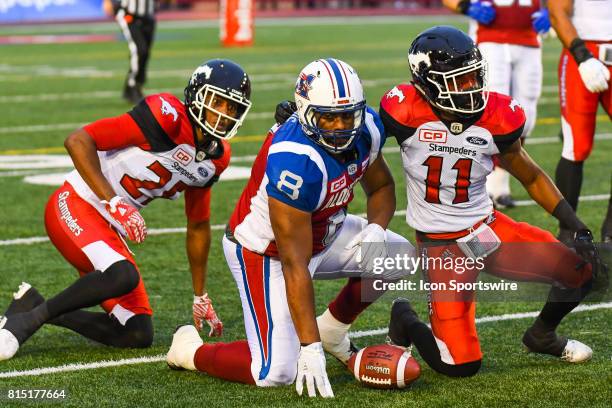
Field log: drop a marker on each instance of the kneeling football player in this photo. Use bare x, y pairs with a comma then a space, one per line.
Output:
449, 128
291, 225
159, 149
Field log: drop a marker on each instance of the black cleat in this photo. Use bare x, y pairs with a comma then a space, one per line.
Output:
544, 342
402, 316
504, 201
132, 94
25, 299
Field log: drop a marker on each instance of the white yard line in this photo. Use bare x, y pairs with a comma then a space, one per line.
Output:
161, 357
220, 227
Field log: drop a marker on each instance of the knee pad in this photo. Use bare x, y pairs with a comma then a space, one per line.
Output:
123, 276
137, 332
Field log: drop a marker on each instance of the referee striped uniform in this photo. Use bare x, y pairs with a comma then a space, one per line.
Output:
137, 21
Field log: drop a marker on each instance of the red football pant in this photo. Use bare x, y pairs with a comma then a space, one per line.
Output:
579, 107
89, 243
543, 260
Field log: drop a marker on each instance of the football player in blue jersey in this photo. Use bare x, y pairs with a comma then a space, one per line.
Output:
291, 225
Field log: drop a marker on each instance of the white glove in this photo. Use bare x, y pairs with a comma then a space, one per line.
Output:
311, 367
203, 310
375, 238
594, 74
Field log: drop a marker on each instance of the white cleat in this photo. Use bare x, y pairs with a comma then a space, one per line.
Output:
8, 342
576, 352
185, 342
334, 336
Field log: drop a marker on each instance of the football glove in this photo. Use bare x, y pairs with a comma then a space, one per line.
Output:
128, 217
311, 368
540, 21
583, 243
481, 11
371, 243
203, 310
594, 74
284, 110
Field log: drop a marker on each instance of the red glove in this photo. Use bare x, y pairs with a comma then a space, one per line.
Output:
203, 310
128, 217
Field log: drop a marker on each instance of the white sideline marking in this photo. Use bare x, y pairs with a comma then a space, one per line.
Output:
217, 227
161, 357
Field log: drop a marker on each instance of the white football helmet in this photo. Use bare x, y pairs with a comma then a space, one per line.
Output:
330, 86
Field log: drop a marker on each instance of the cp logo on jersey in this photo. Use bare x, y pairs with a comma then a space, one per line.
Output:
182, 157
433, 136
338, 184
304, 85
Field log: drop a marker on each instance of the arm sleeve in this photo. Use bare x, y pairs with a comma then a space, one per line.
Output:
116, 133
197, 204
295, 180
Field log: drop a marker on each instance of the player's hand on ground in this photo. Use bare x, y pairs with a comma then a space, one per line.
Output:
540, 21
129, 217
311, 369
594, 74
481, 11
284, 110
371, 242
583, 242
203, 311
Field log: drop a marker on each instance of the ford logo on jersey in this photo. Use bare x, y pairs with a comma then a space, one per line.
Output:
477, 141
203, 172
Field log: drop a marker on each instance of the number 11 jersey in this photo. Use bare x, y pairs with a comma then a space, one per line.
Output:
446, 164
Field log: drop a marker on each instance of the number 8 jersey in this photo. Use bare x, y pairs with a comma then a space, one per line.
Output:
292, 168
446, 164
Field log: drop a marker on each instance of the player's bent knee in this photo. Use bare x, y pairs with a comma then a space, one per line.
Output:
138, 332
124, 275
279, 374
460, 370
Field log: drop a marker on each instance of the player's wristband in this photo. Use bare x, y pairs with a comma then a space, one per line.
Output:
567, 216
579, 51
463, 6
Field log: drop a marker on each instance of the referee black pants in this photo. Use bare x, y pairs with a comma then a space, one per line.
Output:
139, 33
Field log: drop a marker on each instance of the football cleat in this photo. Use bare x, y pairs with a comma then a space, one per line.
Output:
402, 316
334, 336
504, 201
185, 342
25, 299
8, 342
576, 352
571, 351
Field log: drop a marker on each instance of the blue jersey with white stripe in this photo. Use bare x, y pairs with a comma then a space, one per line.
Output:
303, 175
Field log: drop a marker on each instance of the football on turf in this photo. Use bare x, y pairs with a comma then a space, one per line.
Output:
384, 366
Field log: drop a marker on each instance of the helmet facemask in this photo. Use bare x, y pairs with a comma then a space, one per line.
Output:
203, 103
462, 90
337, 140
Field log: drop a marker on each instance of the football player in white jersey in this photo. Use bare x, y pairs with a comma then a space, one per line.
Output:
449, 127
291, 225
585, 82
507, 33
159, 149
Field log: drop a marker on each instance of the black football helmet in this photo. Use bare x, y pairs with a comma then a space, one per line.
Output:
218, 77
449, 71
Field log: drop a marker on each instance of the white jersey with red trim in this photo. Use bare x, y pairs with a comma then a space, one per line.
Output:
292, 168
593, 19
446, 164
163, 167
